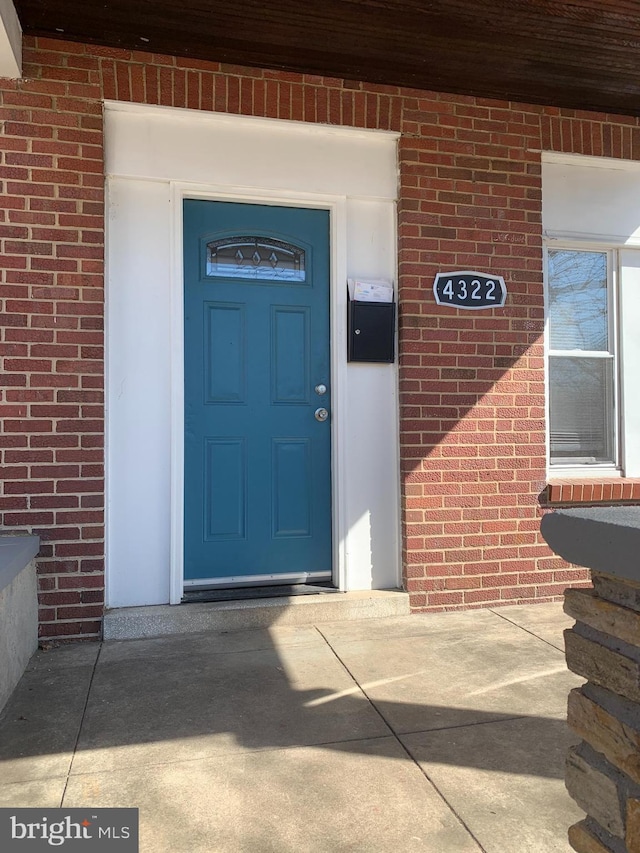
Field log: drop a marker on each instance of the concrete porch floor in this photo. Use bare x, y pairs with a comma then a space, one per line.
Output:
440, 732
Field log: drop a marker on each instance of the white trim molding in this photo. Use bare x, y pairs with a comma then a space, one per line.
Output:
155, 158
10, 41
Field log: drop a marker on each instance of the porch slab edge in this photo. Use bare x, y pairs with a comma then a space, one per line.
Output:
131, 623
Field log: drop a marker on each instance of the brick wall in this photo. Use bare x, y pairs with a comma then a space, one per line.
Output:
472, 392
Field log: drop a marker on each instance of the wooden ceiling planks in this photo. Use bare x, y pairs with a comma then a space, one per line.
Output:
583, 54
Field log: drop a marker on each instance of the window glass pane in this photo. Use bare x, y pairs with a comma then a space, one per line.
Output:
581, 409
255, 258
578, 300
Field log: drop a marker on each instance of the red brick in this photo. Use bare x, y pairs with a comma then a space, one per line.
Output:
23, 519
51, 599
79, 582
83, 611
92, 596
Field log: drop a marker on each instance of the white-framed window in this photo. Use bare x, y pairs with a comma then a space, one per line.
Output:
591, 226
592, 352
581, 357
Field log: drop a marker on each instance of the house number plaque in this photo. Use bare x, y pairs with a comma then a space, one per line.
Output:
470, 290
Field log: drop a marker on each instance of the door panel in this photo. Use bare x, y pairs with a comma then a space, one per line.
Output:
257, 462
292, 487
225, 483
290, 380
225, 361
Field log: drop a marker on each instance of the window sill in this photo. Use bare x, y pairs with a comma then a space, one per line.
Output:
593, 491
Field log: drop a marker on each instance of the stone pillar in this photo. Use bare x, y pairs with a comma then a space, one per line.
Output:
603, 770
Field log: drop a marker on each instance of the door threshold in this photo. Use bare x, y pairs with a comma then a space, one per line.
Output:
158, 620
244, 593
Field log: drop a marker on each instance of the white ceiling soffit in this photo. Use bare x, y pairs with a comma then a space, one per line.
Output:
10, 41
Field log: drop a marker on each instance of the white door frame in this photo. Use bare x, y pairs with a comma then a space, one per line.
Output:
337, 310
155, 157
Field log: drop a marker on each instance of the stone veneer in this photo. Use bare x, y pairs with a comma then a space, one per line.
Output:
603, 770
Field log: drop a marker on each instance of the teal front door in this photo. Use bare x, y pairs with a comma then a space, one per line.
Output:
257, 464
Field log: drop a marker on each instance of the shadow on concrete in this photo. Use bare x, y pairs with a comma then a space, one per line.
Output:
133, 703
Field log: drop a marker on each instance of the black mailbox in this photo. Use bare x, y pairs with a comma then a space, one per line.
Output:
371, 331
